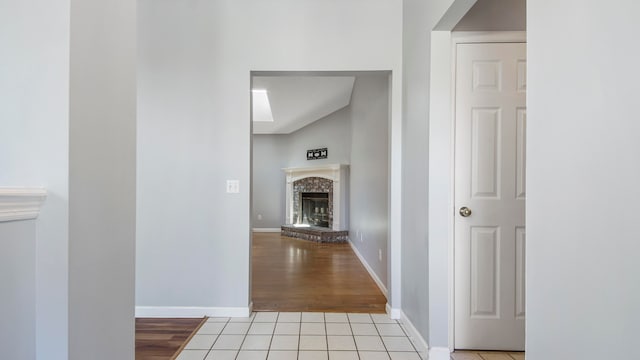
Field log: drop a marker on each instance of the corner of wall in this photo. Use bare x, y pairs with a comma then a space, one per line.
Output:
418, 341
374, 276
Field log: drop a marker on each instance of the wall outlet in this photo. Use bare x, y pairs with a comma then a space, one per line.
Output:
259, 216
380, 254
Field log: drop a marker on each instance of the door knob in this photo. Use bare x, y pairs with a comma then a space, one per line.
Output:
465, 211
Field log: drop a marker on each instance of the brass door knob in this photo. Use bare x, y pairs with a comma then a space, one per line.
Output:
465, 211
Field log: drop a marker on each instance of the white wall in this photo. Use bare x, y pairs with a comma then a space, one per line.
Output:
83, 297
102, 179
582, 180
195, 62
369, 171
34, 116
18, 283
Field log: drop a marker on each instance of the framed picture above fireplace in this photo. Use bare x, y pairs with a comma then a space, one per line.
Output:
315, 154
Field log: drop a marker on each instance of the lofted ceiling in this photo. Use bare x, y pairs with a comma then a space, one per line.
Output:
284, 104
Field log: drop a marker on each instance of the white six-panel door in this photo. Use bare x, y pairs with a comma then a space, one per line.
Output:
489, 246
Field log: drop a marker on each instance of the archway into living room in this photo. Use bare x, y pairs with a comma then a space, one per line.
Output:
320, 191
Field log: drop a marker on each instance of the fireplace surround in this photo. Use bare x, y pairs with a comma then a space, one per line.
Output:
325, 181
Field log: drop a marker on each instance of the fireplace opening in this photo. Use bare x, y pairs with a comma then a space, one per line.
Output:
315, 208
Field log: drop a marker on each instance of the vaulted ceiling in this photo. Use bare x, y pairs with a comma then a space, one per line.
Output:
284, 104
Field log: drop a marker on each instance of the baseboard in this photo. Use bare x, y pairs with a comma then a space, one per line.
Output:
418, 341
374, 276
267, 230
192, 311
395, 314
439, 353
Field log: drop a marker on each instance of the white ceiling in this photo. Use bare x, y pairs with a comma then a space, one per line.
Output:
297, 101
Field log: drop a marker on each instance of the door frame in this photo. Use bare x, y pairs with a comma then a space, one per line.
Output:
442, 147
392, 292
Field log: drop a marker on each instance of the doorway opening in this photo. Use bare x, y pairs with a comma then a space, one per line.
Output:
320, 149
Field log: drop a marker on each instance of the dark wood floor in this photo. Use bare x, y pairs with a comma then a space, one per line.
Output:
298, 275
160, 339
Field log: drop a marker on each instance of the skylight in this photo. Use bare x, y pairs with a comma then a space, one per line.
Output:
261, 106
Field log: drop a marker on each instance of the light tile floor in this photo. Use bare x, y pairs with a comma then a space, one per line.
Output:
301, 336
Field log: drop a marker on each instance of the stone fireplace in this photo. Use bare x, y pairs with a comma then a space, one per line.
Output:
313, 202
317, 196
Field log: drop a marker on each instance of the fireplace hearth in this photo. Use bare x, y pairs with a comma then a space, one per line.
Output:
315, 233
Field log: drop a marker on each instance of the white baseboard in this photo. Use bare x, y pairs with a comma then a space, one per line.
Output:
394, 314
267, 230
192, 311
439, 353
374, 276
418, 341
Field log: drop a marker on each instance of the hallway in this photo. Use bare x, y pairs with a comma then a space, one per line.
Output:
297, 275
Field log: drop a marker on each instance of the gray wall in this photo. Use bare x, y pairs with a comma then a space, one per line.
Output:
272, 153
102, 179
268, 185
332, 132
495, 15
369, 171
195, 62
582, 180
418, 20
18, 284
425, 296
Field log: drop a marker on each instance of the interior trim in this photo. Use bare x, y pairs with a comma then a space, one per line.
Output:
20, 203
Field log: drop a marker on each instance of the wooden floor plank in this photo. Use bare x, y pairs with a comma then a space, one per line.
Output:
160, 339
298, 275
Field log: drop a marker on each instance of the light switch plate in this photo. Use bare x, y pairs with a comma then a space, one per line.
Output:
233, 186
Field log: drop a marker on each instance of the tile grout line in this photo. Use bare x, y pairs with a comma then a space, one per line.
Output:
380, 336
408, 338
349, 322
245, 335
217, 336
273, 334
354, 337
299, 336
352, 334
326, 336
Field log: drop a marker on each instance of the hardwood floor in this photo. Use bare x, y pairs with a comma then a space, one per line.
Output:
160, 339
298, 275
